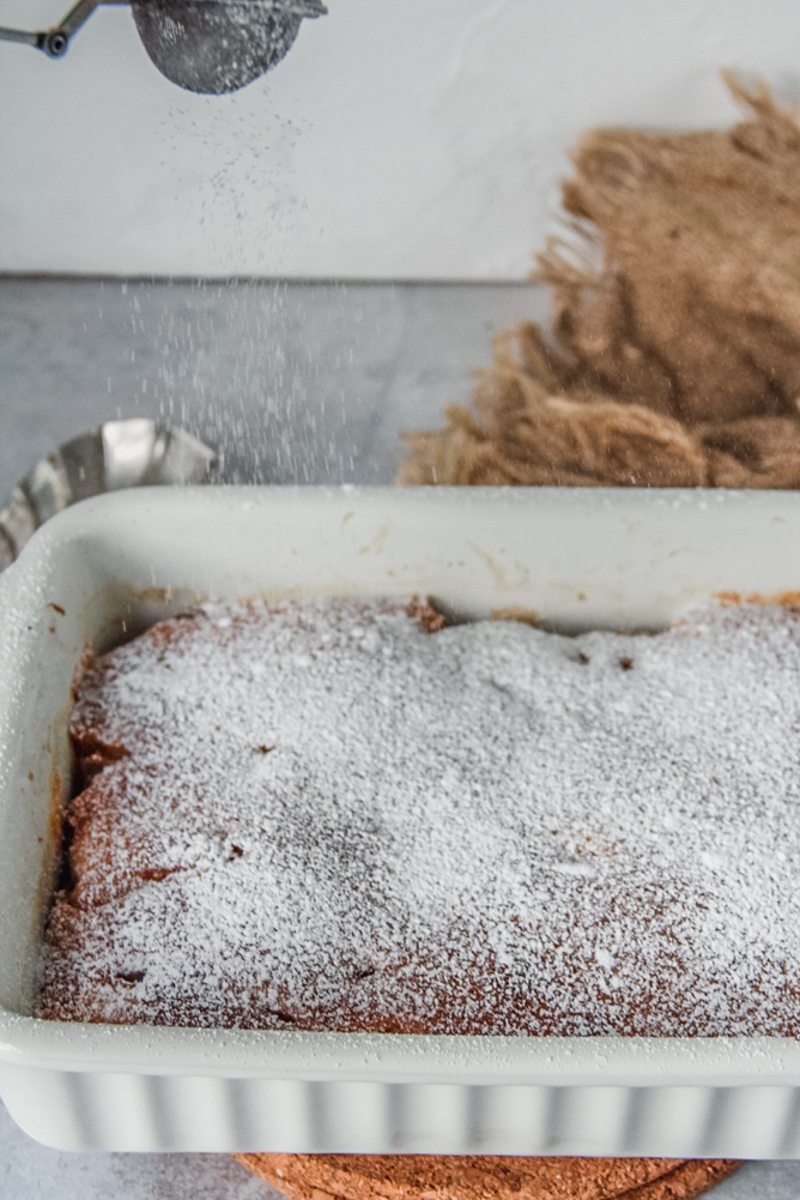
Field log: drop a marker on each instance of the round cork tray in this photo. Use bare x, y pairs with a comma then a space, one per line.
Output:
417, 1177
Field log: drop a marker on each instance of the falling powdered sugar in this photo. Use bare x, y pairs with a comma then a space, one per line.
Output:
335, 815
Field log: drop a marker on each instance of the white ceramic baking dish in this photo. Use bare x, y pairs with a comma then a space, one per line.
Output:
579, 558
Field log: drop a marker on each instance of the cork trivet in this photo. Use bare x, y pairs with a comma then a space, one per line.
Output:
416, 1177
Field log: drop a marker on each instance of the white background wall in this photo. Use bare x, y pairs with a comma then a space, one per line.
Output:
400, 138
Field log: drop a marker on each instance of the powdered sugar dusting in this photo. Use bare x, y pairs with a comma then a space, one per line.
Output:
327, 817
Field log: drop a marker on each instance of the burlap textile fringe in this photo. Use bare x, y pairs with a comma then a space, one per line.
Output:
674, 353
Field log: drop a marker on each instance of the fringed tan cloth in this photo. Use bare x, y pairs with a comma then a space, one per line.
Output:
674, 354
415, 1177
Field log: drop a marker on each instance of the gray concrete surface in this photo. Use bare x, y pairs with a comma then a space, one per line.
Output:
302, 383
294, 383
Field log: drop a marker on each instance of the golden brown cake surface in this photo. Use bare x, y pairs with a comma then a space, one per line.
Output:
335, 815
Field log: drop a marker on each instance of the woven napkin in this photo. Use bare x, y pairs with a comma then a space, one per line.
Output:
673, 357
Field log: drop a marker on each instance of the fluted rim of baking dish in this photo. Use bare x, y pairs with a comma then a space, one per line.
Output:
291, 1054
430, 1058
